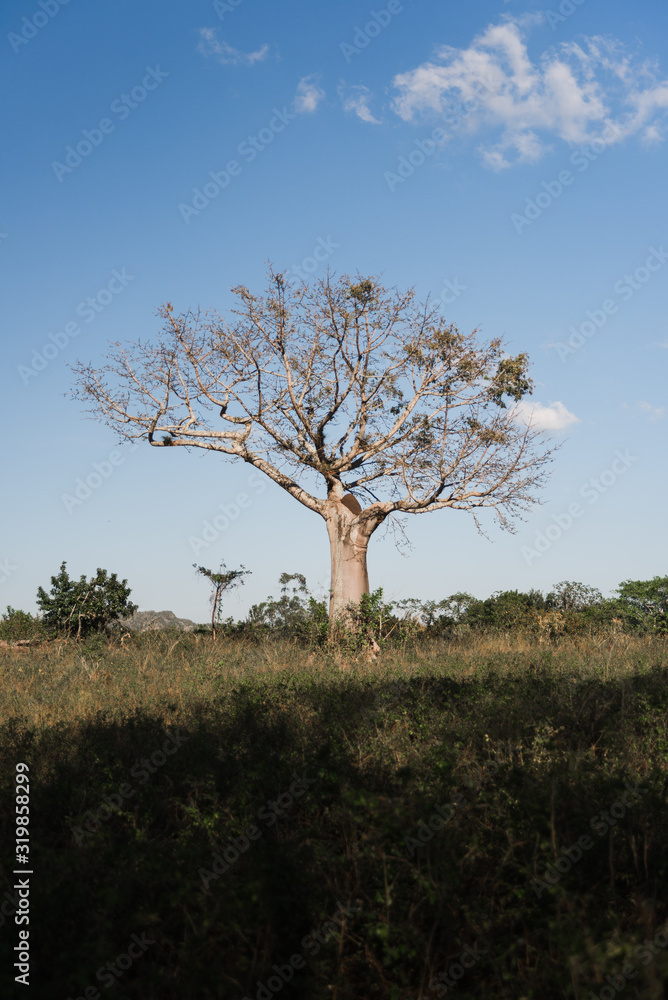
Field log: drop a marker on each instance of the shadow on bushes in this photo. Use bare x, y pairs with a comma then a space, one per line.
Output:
368, 833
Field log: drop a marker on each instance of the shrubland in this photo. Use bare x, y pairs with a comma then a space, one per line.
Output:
480, 807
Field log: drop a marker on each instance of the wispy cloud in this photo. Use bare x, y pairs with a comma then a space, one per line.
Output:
554, 417
653, 412
356, 99
209, 45
570, 93
309, 94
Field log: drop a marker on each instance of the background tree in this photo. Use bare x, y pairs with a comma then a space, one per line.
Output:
644, 604
506, 609
436, 615
221, 581
569, 595
290, 610
81, 607
296, 614
342, 393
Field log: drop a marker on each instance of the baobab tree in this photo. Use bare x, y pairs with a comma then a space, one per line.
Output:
356, 400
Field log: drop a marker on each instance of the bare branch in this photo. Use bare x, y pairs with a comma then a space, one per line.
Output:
335, 386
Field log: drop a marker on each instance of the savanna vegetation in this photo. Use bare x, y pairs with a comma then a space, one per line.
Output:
480, 811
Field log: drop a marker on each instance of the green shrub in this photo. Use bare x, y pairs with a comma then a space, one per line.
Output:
86, 606
20, 625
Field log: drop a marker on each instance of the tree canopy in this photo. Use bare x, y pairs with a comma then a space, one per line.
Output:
345, 382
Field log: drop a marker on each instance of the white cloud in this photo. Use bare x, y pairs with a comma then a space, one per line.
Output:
653, 412
356, 99
570, 93
554, 417
309, 94
228, 56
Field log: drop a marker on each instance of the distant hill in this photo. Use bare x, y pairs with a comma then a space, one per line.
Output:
151, 621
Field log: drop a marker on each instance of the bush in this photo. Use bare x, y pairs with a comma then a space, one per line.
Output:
85, 607
506, 609
643, 605
20, 625
296, 614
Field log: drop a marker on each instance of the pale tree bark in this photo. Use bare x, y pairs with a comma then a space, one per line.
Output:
348, 384
348, 541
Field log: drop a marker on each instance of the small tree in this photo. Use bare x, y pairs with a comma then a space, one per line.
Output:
81, 607
221, 581
570, 595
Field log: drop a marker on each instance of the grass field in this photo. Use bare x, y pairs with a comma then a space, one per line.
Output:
478, 818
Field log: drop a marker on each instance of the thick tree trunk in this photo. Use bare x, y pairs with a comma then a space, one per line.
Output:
348, 539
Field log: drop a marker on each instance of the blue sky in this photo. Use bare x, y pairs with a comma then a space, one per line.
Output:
507, 158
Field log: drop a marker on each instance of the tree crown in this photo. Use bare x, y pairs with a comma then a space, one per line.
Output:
345, 382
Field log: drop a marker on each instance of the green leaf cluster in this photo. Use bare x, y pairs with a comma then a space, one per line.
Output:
82, 607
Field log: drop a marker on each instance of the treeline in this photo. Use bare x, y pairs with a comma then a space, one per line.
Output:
570, 608
79, 609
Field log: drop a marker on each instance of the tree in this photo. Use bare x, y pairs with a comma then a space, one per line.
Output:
644, 603
222, 581
296, 614
289, 610
84, 606
570, 595
437, 614
334, 391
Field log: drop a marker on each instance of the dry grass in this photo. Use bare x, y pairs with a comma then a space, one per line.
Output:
63, 680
